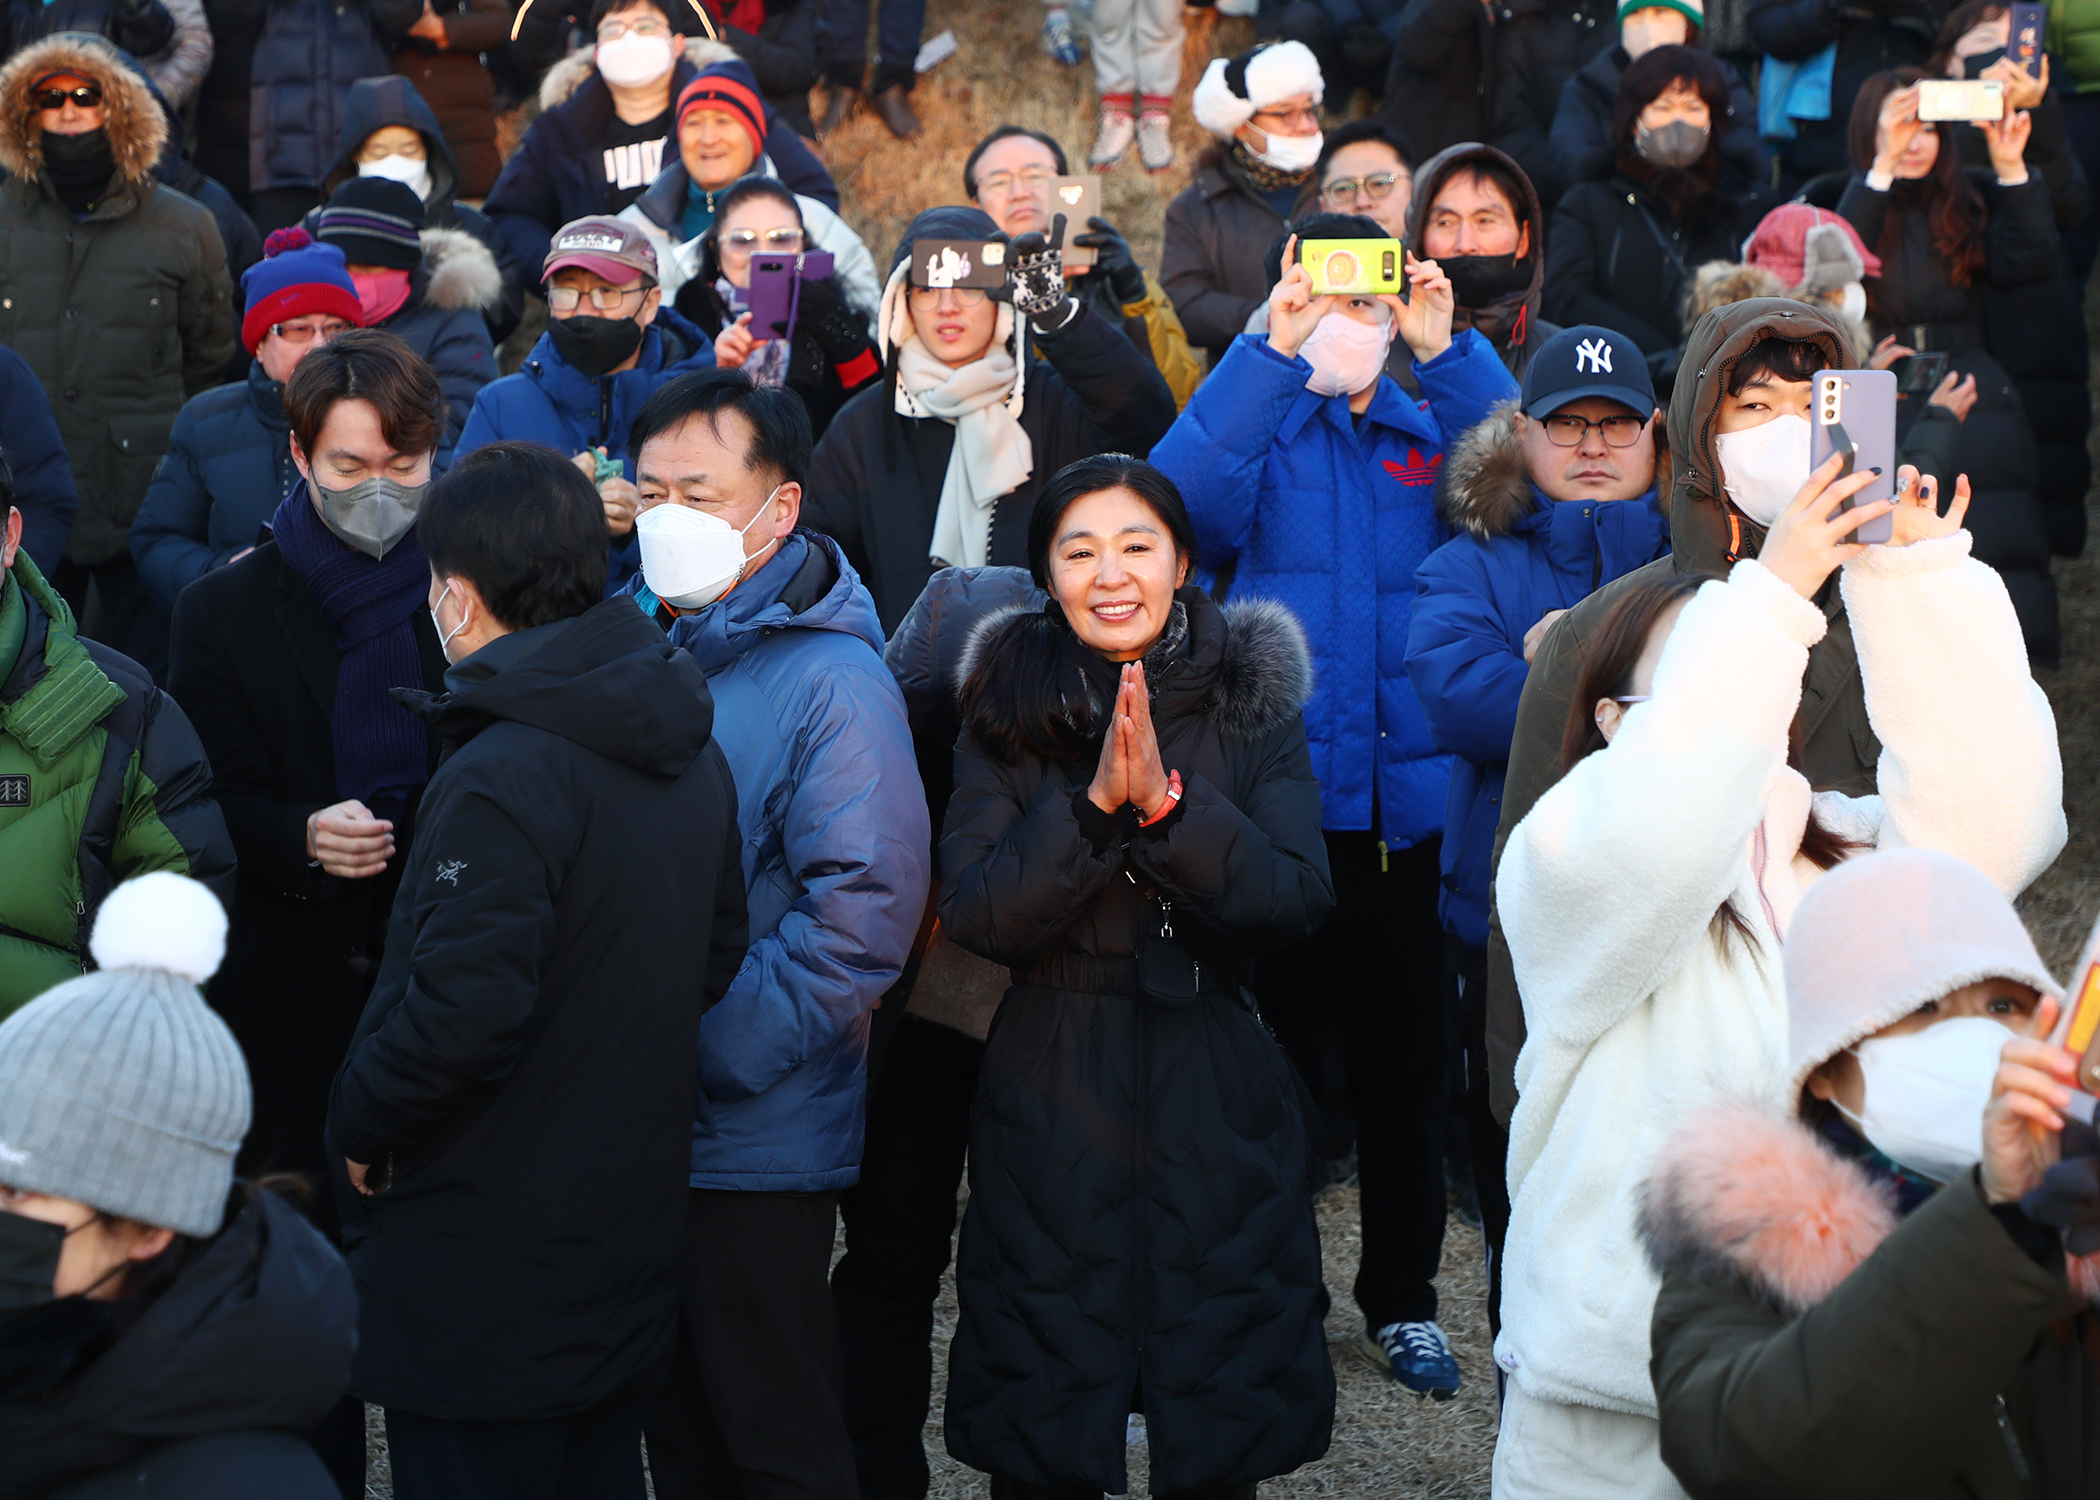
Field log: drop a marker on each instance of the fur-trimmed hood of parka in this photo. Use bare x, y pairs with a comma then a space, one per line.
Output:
1745, 1194
1485, 488
138, 130
459, 271
568, 75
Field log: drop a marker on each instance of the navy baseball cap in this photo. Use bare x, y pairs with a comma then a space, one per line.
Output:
1588, 361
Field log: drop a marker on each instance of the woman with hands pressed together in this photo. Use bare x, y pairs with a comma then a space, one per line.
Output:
1646, 896
1134, 820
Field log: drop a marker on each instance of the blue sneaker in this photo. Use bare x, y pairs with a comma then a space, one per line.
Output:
1417, 1356
1058, 38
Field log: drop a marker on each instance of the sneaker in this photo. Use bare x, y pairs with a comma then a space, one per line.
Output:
1417, 1356
1117, 131
1059, 40
1155, 145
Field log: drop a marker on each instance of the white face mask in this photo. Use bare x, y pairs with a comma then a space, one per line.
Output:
1852, 303
1926, 1092
632, 61
444, 635
1764, 468
406, 170
690, 558
1346, 356
1290, 153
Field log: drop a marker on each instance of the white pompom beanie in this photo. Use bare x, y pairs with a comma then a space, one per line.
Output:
122, 1089
1232, 89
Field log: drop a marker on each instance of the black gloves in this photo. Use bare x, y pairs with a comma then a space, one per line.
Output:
833, 326
1113, 260
1035, 275
2069, 1197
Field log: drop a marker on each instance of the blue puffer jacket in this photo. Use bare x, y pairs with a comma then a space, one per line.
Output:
1304, 507
308, 55
1517, 555
229, 463
835, 864
551, 401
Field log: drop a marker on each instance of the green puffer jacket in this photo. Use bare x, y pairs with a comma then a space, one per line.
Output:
125, 314
1808, 1346
2074, 36
101, 779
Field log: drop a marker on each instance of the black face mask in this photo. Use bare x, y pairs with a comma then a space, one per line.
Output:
594, 345
29, 1251
79, 166
1972, 67
1477, 280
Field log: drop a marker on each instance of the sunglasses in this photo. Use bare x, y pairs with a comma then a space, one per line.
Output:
87, 96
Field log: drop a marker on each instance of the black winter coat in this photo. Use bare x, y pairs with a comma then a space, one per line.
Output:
784, 53
205, 1395
1436, 93
1213, 263
255, 662
308, 55
1914, 299
142, 28
573, 903
1539, 46
1870, 37
1581, 138
875, 483
1138, 1236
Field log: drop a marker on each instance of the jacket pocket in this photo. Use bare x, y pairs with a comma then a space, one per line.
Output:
136, 445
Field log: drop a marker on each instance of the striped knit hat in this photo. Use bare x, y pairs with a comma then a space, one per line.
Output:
731, 87
375, 221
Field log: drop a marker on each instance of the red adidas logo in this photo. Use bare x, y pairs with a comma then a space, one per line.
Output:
1417, 469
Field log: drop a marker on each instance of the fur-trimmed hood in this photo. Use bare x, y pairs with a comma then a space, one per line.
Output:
461, 272
1749, 1195
1485, 488
1720, 282
569, 75
138, 130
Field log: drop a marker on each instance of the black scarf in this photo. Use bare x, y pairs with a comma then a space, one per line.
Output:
79, 167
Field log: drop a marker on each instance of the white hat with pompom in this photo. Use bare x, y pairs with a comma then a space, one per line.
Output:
1233, 90
122, 1089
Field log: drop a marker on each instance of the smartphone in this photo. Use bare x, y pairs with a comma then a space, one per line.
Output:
771, 296
1919, 374
1354, 267
1855, 414
1971, 99
2078, 1030
2024, 36
968, 263
1078, 199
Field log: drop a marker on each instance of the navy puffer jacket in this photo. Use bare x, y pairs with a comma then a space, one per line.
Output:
308, 55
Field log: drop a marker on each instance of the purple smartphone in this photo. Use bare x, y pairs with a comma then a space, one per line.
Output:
772, 297
1855, 414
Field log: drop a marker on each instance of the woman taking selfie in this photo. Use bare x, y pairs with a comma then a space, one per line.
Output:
1945, 233
1647, 894
1905, 1205
1134, 821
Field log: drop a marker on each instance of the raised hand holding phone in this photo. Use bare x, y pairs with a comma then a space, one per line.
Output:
1425, 314
2023, 1123
1294, 312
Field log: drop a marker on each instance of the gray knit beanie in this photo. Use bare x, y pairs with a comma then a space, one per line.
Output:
121, 1089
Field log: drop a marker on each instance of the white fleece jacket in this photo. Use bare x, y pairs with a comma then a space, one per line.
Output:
1638, 1017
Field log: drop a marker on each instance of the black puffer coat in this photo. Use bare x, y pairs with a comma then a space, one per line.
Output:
141, 27
1138, 1236
1914, 299
1539, 46
1436, 94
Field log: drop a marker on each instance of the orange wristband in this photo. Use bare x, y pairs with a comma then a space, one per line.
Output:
1173, 797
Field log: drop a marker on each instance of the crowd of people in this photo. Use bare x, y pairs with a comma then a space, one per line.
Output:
503, 862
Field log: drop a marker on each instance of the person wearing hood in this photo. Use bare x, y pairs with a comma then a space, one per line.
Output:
610, 344
824, 354
572, 906
389, 130
1920, 1187
1476, 214
606, 127
723, 133
438, 49
1649, 965
1262, 109
939, 464
285, 659
1300, 447
835, 868
1552, 496
116, 294
1625, 241
229, 465
165, 1330
430, 288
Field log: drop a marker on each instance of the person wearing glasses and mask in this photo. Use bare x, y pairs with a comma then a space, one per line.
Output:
1552, 496
1008, 175
610, 343
229, 460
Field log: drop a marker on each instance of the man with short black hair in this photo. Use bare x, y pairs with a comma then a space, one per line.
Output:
836, 853
514, 1113
1364, 168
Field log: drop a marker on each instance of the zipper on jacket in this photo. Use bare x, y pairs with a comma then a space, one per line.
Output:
1137, 1183
2012, 1443
1596, 557
1384, 862
73, 954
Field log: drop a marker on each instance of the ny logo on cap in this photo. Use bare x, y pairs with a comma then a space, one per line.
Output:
1596, 354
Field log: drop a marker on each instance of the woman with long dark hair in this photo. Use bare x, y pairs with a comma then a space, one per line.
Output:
1668, 199
1134, 821
1945, 233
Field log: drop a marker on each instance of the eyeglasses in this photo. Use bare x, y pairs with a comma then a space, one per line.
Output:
1569, 431
741, 242
965, 296
306, 333
87, 96
612, 31
1309, 117
1378, 185
1003, 183
604, 298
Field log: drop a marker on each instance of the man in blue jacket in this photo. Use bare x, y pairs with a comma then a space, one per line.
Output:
836, 868
1552, 496
1311, 477
610, 345
36, 460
